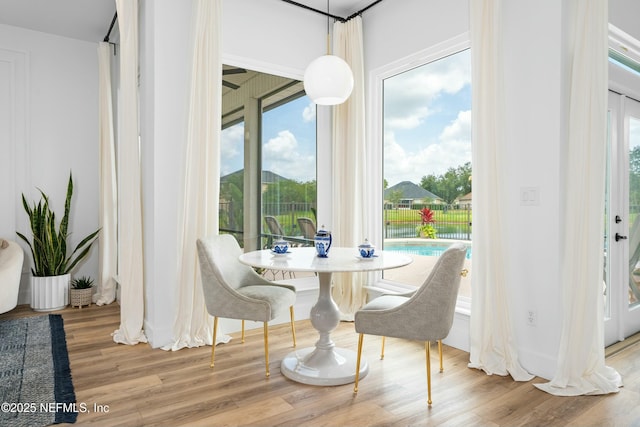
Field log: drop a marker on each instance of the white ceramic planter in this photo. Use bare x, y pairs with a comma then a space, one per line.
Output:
50, 293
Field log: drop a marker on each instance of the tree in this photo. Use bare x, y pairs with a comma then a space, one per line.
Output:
634, 177
452, 184
394, 197
287, 191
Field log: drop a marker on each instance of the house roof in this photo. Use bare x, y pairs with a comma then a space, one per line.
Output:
465, 197
268, 177
411, 191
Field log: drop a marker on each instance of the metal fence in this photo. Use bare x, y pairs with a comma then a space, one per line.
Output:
450, 222
286, 214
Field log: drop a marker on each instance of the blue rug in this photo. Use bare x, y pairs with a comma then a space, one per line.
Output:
35, 378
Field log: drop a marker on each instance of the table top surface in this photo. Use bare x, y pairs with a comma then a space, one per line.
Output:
339, 260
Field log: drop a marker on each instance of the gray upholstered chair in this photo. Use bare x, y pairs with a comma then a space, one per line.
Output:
425, 315
234, 290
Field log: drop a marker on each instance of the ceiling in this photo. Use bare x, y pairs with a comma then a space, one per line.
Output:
89, 20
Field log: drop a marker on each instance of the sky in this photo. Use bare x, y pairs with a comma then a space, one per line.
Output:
289, 142
427, 127
427, 119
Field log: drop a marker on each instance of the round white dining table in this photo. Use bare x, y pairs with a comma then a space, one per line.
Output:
324, 364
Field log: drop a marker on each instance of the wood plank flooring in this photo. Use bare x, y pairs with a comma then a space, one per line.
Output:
137, 385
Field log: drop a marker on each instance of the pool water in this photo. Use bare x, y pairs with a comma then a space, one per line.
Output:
423, 250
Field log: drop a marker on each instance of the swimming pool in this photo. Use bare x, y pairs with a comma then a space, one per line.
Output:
420, 247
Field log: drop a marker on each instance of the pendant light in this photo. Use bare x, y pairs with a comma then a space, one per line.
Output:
328, 79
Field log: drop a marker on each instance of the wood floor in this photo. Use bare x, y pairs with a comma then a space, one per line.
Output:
137, 385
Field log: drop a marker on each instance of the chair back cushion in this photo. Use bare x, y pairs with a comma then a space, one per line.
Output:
220, 255
428, 314
436, 299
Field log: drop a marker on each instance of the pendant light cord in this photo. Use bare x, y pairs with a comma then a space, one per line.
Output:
328, 32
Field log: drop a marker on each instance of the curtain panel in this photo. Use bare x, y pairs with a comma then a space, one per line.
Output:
130, 243
492, 346
108, 241
580, 366
349, 218
198, 215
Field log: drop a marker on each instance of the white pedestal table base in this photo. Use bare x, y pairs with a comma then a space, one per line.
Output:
323, 367
325, 364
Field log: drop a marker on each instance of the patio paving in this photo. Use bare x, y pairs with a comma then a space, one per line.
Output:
416, 272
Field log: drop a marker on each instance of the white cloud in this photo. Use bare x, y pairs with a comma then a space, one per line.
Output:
281, 156
231, 149
459, 128
309, 113
452, 149
409, 96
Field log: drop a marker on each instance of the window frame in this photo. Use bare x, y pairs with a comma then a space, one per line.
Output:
376, 133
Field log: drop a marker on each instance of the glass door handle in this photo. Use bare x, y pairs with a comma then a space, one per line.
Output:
619, 237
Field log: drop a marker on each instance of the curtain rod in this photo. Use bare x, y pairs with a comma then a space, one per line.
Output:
113, 21
304, 6
337, 18
361, 11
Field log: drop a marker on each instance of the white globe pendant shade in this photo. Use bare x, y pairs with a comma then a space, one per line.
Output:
328, 80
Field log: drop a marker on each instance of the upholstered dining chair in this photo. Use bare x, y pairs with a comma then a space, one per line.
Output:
425, 315
234, 290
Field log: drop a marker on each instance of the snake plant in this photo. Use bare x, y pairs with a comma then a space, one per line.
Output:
49, 245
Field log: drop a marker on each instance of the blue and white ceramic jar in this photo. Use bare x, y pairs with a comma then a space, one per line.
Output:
322, 241
366, 249
281, 246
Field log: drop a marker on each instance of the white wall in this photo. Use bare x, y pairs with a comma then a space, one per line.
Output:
534, 100
624, 14
54, 130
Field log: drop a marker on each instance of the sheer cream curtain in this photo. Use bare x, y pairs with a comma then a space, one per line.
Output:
581, 368
492, 347
106, 293
199, 214
349, 216
130, 251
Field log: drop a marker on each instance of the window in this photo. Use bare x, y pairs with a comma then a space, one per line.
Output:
268, 157
289, 167
427, 161
231, 209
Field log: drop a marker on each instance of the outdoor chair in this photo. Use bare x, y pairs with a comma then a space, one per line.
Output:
424, 315
274, 226
234, 290
307, 228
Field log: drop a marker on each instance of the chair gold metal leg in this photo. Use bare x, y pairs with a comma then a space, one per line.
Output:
293, 326
242, 336
213, 342
428, 346
440, 351
382, 350
355, 387
266, 347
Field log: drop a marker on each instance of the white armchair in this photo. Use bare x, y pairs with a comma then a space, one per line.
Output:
11, 258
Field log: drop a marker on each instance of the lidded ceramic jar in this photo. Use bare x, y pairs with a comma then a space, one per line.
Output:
366, 249
322, 242
281, 246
